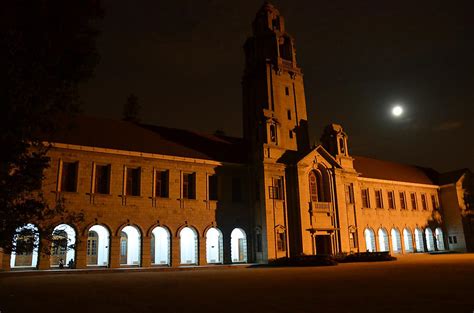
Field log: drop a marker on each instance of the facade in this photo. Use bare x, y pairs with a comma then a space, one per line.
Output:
155, 196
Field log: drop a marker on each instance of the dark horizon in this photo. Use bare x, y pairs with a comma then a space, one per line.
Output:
184, 61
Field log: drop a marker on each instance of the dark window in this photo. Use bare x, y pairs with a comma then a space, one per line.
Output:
213, 187
69, 177
236, 189
288, 113
434, 202
378, 199
450, 239
455, 239
403, 201
133, 182
424, 204
273, 134
353, 240
281, 241
285, 49
342, 145
162, 184
259, 242
291, 134
365, 198
414, 204
287, 91
102, 179
349, 189
391, 200
189, 185
276, 191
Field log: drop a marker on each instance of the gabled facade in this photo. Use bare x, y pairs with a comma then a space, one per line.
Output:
155, 196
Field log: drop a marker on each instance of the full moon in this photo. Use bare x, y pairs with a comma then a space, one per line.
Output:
397, 111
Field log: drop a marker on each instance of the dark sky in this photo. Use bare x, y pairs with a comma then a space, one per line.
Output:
184, 60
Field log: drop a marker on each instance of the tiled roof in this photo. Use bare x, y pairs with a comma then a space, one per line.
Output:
121, 135
379, 169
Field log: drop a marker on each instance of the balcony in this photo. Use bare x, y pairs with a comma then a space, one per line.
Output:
321, 207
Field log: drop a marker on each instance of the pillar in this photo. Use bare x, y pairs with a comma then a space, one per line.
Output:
175, 251
4, 260
202, 256
81, 252
44, 251
146, 251
114, 252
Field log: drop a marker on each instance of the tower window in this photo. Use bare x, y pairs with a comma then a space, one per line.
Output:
349, 190
276, 191
273, 133
281, 241
288, 113
287, 91
291, 134
213, 187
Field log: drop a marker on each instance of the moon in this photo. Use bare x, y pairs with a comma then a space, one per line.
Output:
397, 110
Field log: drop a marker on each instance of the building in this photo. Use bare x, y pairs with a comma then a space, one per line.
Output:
156, 196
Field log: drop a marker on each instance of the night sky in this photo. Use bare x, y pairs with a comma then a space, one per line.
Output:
184, 61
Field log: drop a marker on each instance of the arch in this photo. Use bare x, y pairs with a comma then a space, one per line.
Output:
407, 240
214, 246
25, 246
63, 246
319, 185
369, 240
188, 241
160, 246
439, 239
98, 242
130, 245
419, 245
430, 246
384, 244
396, 241
238, 245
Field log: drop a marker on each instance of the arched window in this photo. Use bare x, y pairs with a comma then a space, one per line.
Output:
407, 240
420, 247
25, 243
130, 246
383, 240
238, 245
396, 241
313, 187
429, 240
160, 246
63, 245
188, 240
214, 246
319, 186
98, 246
439, 239
369, 240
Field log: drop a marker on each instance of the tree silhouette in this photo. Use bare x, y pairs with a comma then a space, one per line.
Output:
46, 49
131, 109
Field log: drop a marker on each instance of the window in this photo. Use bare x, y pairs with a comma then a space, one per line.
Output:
290, 134
132, 181
189, 186
102, 179
352, 240
378, 199
391, 200
414, 204
403, 201
259, 242
287, 91
434, 202
69, 176
365, 198
349, 189
288, 113
273, 133
452, 239
161, 184
281, 241
276, 191
316, 188
236, 189
213, 187
424, 203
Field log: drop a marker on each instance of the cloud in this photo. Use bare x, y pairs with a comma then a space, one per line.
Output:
448, 125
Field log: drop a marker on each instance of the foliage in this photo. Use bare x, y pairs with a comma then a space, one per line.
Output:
131, 109
47, 47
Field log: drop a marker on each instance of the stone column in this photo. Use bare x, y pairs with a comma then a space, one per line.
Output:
202, 260
146, 251
175, 252
81, 252
44, 251
114, 252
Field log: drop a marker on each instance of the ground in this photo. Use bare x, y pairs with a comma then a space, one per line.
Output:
416, 283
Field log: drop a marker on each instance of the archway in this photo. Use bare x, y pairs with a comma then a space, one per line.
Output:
407, 240
429, 240
25, 245
369, 240
188, 240
383, 240
238, 246
420, 247
396, 241
439, 239
130, 243
98, 246
214, 249
160, 246
63, 246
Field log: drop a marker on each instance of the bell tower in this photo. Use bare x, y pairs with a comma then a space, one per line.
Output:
274, 106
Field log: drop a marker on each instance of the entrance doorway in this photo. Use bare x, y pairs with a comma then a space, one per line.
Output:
323, 244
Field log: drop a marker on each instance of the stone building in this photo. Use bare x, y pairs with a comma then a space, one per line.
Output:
156, 196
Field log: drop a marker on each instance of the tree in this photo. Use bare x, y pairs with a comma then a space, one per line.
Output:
131, 109
47, 48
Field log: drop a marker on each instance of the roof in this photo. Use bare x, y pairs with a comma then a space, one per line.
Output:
387, 170
128, 136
